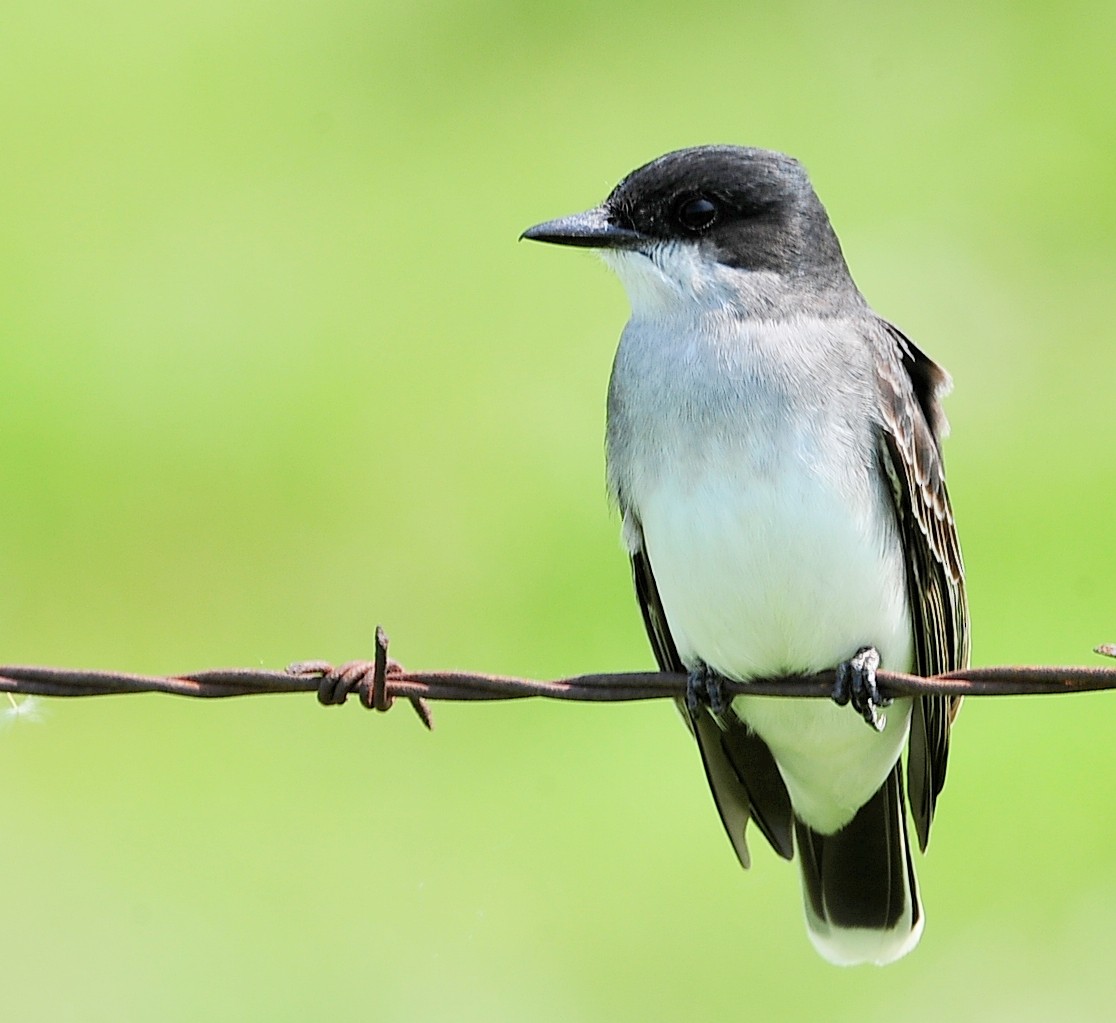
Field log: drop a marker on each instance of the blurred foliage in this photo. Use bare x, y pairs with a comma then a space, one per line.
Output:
275, 369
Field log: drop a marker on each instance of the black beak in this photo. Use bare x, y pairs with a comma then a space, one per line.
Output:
593, 229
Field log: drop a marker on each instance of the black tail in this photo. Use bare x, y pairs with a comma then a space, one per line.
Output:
859, 883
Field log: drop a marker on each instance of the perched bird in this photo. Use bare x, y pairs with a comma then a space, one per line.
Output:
773, 447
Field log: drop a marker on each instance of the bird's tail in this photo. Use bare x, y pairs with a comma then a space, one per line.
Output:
859, 883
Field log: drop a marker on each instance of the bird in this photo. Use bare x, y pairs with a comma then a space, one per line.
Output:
773, 447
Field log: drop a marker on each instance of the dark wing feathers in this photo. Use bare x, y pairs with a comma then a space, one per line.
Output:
910, 454
654, 617
756, 772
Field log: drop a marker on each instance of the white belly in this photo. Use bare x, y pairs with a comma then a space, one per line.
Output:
778, 572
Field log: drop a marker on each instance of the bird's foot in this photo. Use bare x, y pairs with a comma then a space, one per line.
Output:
856, 683
705, 688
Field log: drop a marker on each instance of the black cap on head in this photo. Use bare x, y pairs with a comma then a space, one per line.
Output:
753, 209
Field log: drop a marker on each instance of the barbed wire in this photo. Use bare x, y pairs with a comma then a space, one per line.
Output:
379, 682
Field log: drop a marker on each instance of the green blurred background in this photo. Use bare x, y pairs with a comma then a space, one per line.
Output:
274, 369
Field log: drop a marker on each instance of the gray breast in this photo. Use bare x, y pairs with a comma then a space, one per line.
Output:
687, 394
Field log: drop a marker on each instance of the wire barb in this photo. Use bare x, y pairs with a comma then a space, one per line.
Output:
368, 679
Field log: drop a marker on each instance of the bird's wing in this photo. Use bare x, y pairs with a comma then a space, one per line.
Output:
911, 456
741, 770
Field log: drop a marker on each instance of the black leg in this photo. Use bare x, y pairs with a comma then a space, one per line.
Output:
856, 682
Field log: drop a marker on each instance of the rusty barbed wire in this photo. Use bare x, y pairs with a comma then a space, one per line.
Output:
379, 682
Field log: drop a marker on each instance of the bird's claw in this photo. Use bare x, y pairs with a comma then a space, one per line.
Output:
856, 683
705, 688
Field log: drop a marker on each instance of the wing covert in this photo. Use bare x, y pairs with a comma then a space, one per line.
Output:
911, 386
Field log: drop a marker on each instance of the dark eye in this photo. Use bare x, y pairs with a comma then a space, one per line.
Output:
697, 214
